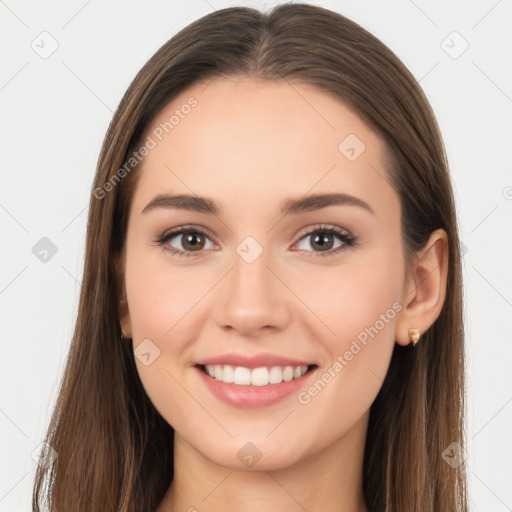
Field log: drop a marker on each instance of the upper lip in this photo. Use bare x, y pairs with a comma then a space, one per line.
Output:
254, 361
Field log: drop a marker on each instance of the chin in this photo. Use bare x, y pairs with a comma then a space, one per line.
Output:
254, 454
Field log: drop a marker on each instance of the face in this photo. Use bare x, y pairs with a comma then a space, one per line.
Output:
272, 279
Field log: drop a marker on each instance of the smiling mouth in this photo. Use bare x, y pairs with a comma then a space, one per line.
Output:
262, 376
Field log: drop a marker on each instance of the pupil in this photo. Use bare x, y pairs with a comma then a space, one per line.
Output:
189, 240
323, 241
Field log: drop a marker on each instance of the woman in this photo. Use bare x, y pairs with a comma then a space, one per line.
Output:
271, 309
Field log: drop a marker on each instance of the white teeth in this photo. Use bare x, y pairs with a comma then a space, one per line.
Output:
259, 377
255, 377
288, 374
276, 375
242, 375
228, 374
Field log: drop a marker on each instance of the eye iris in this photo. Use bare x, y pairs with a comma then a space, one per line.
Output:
188, 241
323, 241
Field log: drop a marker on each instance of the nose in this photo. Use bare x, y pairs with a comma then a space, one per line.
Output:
253, 299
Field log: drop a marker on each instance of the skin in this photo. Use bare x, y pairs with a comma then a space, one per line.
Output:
249, 145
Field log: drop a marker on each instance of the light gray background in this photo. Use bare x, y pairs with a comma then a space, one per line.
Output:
54, 115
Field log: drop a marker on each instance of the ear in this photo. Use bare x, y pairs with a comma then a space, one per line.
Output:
124, 312
425, 288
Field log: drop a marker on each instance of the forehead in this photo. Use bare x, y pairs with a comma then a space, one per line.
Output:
253, 142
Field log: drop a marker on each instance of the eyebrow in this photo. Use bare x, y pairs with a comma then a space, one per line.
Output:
304, 204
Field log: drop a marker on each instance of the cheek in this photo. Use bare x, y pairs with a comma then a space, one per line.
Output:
160, 293
161, 305
350, 299
358, 307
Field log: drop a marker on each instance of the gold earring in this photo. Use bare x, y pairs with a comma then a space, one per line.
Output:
414, 336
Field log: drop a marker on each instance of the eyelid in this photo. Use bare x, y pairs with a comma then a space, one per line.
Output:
342, 234
348, 240
178, 230
205, 231
319, 227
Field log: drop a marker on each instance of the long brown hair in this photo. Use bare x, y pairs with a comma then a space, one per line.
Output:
114, 450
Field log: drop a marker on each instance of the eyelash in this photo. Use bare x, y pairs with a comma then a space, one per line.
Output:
348, 240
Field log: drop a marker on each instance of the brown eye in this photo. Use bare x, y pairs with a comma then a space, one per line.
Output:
185, 242
192, 241
323, 240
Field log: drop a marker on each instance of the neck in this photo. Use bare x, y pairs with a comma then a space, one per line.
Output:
330, 479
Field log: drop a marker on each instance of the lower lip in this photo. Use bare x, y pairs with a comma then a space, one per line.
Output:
253, 396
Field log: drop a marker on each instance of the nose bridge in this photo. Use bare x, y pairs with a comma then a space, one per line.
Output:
253, 297
251, 280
